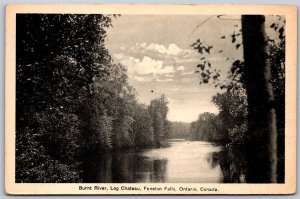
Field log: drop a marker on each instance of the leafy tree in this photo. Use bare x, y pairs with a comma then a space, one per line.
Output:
110, 97
206, 128
142, 127
233, 112
73, 103
180, 130
58, 57
96, 127
167, 129
256, 76
158, 110
123, 121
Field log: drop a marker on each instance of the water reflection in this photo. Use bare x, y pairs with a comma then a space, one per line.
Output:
181, 161
126, 167
233, 164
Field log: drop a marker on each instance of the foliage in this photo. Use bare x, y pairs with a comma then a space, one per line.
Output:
207, 74
261, 81
206, 128
179, 130
233, 111
48, 153
277, 60
233, 103
58, 56
158, 110
143, 127
72, 100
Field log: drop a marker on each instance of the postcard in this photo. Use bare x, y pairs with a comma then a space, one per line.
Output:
144, 99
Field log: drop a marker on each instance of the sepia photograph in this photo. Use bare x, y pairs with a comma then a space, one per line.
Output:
141, 101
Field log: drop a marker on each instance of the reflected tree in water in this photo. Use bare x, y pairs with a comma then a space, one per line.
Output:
127, 167
232, 163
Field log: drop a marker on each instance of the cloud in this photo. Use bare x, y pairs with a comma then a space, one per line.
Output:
165, 80
187, 53
169, 54
167, 69
156, 62
188, 73
146, 66
169, 75
180, 68
172, 49
186, 60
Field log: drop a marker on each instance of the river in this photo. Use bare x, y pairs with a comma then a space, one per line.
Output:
183, 161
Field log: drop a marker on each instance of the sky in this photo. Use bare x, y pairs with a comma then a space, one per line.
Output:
157, 52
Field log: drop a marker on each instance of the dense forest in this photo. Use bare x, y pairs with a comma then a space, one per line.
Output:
73, 100
180, 130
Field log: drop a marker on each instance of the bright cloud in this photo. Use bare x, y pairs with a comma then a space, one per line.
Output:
167, 69
155, 62
172, 49
188, 73
169, 54
146, 66
180, 68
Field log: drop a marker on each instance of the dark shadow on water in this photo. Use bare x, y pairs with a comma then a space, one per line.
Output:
123, 167
232, 163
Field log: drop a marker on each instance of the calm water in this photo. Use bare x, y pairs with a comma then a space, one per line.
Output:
182, 161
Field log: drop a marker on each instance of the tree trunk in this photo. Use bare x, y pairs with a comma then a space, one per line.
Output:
262, 136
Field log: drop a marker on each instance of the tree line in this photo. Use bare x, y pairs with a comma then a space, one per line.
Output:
230, 125
73, 100
179, 130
